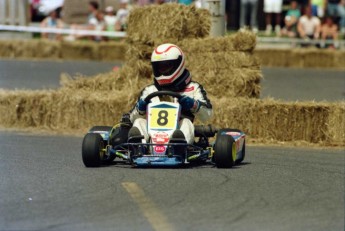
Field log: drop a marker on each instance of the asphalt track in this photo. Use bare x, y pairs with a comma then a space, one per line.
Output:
289, 84
44, 185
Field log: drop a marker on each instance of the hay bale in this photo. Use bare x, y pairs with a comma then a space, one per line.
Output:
83, 50
127, 78
6, 49
110, 51
280, 121
153, 25
336, 124
30, 49
269, 120
240, 41
301, 58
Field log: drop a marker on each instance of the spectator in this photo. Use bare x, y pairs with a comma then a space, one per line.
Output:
291, 19
249, 8
110, 20
159, 2
143, 2
341, 10
198, 3
122, 14
318, 7
93, 9
185, 2
329, 32
308, 26
97, 23
52, 21
273, 7
336, 8
94, 21
332, 7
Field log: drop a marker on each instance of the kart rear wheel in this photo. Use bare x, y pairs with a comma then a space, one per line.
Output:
224, 151
93, 150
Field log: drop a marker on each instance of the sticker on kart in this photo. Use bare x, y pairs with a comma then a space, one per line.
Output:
163, 117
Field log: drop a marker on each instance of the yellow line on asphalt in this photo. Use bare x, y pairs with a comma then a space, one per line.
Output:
156, 218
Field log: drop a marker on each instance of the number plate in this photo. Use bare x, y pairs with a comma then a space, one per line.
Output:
163, 118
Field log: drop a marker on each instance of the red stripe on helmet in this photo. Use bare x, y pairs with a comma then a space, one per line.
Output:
168, 49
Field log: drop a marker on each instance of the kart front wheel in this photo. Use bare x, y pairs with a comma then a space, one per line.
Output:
93, 150
224, 151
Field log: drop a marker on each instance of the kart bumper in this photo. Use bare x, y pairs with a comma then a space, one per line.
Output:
161, 161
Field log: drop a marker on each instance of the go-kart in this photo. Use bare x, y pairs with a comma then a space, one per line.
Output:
102, 144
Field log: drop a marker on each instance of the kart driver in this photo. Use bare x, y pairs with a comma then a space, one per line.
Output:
170, 74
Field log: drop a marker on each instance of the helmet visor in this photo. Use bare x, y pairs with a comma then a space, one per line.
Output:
165, 68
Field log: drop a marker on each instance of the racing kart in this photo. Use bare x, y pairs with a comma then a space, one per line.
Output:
102, 144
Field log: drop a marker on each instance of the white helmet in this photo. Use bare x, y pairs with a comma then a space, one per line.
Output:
168, 64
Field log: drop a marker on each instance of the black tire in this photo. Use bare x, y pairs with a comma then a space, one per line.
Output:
109, 159
92, 147
223, 151
244, 143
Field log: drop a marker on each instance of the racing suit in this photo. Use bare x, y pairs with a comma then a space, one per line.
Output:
193, 90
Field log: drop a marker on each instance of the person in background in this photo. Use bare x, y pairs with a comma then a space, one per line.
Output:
249, 8
291, 19
273, 8
93, 12
198, 3
110, 20
185, 2
329, 32
143, 2
52, 21
318, 7
122, 14
91, 23
97, 23
341, 10
159, 2
336, 8
332, 7
309, 26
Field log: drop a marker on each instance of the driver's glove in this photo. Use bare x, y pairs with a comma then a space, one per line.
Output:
141, 105
189, 104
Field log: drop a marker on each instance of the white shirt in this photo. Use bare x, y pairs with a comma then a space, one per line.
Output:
110, 21
309, 24
122, 15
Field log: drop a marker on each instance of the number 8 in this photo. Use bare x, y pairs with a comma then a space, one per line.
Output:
162, 118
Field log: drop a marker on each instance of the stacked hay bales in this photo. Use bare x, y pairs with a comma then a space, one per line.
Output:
267, 120
79, 50
272, 120
225, 66
30, 49
303, 58
230, 59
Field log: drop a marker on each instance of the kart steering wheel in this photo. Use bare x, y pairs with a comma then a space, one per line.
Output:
161, 93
